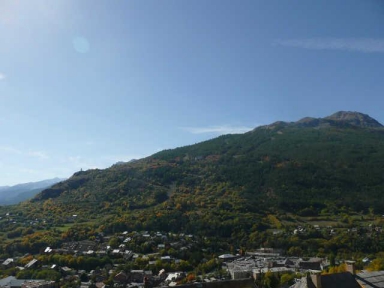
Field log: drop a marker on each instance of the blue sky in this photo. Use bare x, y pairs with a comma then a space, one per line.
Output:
84, 84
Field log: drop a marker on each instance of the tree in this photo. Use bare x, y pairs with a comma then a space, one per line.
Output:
191, 277
287, 279
270, 280
114, 242
376, 265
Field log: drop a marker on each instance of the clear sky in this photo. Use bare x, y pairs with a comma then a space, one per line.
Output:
84, 84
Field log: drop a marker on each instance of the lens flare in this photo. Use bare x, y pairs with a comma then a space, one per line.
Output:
81, 44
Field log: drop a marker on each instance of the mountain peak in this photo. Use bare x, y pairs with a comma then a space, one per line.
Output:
355, 118
342, 118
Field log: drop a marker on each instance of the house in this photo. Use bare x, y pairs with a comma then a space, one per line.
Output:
31, 263
240, 273
128, 254
6, 281
310, 264
100, 285
8, 262
48, 250
265, 252
38, 284
175, 276
17, 283
227, 257
286, 262
85, 284
166, 258
212, 283
139, 276
257, 273
120, 278
136, 276
101, 253
241, 268
371, 279
24, 283
337, 280
66, 270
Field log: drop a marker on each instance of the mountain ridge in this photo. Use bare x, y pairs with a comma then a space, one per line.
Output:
355, 118
23, 191
278, 168
340, 118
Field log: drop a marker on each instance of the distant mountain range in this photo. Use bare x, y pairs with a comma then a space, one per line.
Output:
21, 192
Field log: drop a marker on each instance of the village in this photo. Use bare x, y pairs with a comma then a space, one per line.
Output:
172, 259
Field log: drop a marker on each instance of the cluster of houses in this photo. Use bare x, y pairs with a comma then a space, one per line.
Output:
252, 265
347, 279
330, 230
133, 278
12, 282
10, 262
257, 263
100, 247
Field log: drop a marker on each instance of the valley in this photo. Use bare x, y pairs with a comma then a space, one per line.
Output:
310, 188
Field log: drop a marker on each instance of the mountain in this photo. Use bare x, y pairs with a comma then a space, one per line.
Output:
354, 118
21, 192
3, 187
315, 165
338, 119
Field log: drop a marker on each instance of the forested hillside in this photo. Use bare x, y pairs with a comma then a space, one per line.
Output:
229, 184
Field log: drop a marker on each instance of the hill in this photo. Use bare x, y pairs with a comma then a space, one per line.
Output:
228, 184
21, 192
